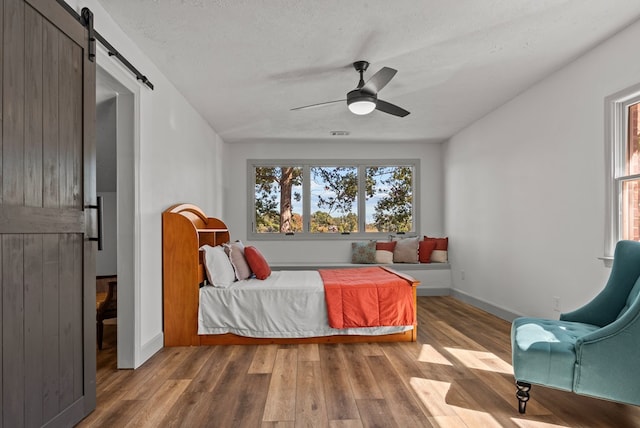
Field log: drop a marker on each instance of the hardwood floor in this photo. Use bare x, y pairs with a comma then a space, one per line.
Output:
457, 375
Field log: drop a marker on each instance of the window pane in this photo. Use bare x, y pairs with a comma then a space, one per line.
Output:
334, 199
278, 199
389, 199
630, 227
632, 158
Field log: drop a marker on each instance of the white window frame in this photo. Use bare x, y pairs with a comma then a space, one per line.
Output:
306, 164
616, 137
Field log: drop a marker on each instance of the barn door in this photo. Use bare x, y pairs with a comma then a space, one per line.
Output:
47, 177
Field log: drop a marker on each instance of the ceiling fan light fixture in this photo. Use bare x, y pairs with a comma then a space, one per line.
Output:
362, 107
360, 103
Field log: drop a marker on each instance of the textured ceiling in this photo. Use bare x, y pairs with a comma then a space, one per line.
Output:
243, 64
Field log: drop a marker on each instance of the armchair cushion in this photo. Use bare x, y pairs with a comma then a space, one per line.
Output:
544, 350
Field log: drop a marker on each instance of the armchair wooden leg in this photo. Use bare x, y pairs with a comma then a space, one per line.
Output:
523, 395
100, 330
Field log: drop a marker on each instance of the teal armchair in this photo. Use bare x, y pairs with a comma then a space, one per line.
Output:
594, 350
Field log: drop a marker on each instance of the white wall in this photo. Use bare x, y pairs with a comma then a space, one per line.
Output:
106, 259
172, 164
524, 188
177, 154
235, 211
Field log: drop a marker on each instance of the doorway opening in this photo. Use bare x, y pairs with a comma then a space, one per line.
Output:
117, 97
106, 257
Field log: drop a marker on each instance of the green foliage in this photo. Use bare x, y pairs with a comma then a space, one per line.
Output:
348, 223
341, 185
323, 222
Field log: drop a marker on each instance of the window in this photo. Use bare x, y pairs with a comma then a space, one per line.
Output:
389, 206
278, 192
331, 199
623, 168
630, 181
334, 199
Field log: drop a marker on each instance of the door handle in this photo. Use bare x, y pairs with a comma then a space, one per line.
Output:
98, 207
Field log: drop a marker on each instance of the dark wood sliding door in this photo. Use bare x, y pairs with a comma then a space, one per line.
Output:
47, 177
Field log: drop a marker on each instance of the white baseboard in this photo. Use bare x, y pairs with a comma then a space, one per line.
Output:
148, 349
434, 291
498, 311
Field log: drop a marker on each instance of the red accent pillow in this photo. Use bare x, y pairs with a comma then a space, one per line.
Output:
388, 246
425, 248
441, 243
257, 262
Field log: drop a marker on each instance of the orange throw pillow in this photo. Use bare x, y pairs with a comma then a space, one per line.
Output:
386, 245
257, 262
424, 251
441, 243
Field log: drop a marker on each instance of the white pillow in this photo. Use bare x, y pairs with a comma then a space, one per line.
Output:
235, 252
384, 257
406, 250
439, 256
219, 269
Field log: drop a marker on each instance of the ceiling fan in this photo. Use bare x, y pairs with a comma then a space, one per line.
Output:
364, 98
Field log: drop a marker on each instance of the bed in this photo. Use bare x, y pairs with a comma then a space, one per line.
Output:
185, 229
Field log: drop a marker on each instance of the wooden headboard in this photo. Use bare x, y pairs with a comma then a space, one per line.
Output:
185, 228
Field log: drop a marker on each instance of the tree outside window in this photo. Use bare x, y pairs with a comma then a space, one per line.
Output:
277, 189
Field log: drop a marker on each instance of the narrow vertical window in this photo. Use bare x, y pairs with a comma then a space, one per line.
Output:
334, 199
278, 196
630, 181
622, 168
389, 199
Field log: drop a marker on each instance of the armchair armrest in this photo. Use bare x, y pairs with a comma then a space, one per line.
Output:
607, 359
624, 325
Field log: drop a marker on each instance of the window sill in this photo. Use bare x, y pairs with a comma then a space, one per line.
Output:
608, 261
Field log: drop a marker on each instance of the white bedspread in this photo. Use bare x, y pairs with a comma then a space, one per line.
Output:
287, 304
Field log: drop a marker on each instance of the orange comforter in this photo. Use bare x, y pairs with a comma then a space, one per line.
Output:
367, 297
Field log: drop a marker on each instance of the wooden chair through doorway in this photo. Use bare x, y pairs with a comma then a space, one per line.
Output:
107, 308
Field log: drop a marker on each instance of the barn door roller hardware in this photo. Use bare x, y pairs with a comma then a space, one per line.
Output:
86, 19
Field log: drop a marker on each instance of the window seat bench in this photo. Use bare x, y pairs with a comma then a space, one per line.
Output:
339, 265
435, 278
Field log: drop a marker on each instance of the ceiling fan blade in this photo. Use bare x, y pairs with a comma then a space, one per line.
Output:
391, 108
379, 80
318, 105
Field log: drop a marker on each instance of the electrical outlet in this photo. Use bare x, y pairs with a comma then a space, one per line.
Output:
556, 304
462, 275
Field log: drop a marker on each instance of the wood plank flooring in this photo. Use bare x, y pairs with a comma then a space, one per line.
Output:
458, 374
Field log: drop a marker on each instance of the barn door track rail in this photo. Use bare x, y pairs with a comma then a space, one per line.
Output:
86, 19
